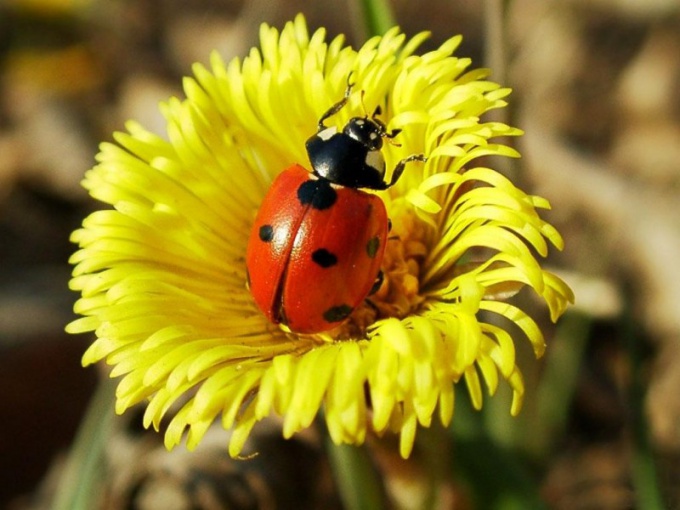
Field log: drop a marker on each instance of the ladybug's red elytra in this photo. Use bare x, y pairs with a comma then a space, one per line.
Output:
318, 240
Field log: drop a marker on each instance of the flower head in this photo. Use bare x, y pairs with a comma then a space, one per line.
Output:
163, 276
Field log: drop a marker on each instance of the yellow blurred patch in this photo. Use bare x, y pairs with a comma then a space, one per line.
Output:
67, 71
49, 7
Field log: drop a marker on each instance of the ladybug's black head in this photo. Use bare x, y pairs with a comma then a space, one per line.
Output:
366, 131
353, 157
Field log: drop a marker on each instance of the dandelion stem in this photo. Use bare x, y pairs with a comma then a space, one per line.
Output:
377, 15
558, 384
80, 482
494, 37
496, 475
644, 471
495, 58
358, 483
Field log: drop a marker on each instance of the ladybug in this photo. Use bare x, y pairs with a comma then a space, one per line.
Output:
318, 240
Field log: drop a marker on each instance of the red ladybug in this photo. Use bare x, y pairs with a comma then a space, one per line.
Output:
318, 241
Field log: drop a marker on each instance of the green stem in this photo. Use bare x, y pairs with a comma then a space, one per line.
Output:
358, 483
558, 384
377, 15
81, 479
495, 58
494, 39
644, 470
497, 477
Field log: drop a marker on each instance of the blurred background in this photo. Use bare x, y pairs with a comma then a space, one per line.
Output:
596, 88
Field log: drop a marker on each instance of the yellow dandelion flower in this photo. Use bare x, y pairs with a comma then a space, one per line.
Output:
163, 273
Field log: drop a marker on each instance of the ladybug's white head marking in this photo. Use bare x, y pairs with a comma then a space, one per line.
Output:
375, 160
327, 133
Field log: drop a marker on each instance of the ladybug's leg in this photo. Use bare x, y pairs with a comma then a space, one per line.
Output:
399, 169
378, 283
337, 106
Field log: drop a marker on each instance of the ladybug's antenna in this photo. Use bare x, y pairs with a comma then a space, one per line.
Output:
339, 105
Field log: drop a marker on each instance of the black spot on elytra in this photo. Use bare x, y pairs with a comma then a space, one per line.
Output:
372, 246
337, 313
324, 258
266, 233
319, 193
